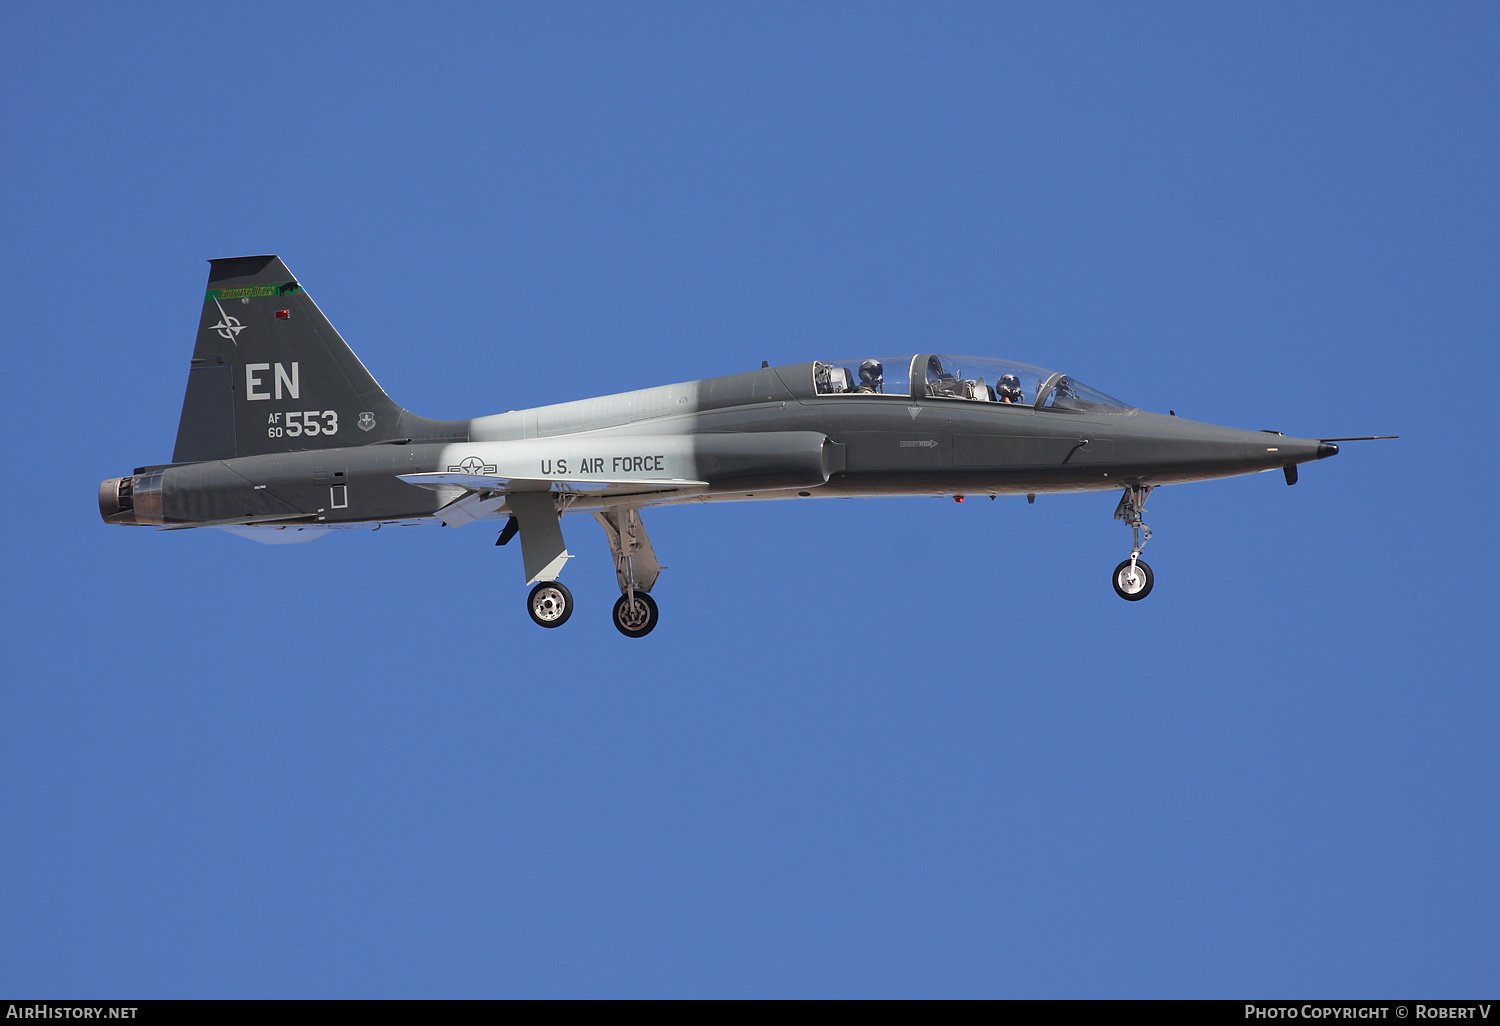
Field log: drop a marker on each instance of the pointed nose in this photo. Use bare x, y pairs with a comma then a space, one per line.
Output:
1327, 449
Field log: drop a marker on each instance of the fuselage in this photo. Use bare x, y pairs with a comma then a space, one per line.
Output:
776, 432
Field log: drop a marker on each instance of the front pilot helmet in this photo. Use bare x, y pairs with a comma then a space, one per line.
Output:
871, 372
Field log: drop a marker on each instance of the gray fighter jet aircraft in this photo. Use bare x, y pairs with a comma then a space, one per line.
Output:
285, 436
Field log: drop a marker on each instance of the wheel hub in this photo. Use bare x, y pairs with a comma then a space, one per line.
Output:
634, 615
548, 604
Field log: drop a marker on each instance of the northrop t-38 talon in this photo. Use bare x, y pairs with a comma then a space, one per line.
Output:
285, 436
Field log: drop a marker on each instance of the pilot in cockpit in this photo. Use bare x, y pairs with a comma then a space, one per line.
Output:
1008, 390
871, 377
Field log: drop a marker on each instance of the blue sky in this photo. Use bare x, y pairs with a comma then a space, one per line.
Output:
875, 748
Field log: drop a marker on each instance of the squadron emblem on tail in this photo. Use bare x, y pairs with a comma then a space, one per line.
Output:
228, 327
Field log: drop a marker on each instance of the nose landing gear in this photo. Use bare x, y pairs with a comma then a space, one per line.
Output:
1133, 578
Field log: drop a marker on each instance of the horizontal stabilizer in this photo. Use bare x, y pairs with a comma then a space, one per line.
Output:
274, 518
469, 507
282, 534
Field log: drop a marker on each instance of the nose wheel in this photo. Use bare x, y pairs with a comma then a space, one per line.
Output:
550, 604
635, 617
1133, 578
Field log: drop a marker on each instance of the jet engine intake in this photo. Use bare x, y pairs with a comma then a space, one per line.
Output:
767, 460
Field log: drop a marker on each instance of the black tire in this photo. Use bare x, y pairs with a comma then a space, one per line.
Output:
550, 604
1123, 589
642, 623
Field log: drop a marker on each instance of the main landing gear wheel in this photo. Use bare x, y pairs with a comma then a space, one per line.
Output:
635, 620
1133, 583
550, 603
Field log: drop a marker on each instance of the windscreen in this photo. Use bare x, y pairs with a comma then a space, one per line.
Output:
1071, 394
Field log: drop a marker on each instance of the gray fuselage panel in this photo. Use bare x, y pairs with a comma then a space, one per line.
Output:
760, 434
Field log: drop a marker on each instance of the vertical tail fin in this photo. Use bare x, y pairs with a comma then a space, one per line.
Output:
270, 374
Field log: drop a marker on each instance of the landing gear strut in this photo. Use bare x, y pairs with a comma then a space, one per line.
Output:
1133, 578
636, 568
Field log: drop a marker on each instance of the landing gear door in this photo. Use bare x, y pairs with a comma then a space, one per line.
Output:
636, 565
543, 552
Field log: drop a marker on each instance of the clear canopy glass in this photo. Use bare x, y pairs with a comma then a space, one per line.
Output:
870, 375
972, 378
1071, 394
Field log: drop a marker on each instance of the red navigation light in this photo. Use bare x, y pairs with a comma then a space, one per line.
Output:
284, 314
958, 498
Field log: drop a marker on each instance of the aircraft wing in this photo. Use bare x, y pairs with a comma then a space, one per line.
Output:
483, 494
485, 483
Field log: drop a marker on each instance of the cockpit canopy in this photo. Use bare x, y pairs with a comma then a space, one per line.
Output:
970, 378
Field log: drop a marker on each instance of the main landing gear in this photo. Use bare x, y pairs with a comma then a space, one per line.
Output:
550, 603
635, 615
1133, 578
636, 568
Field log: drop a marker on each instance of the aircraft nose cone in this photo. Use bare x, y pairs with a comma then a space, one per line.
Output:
1327, 449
